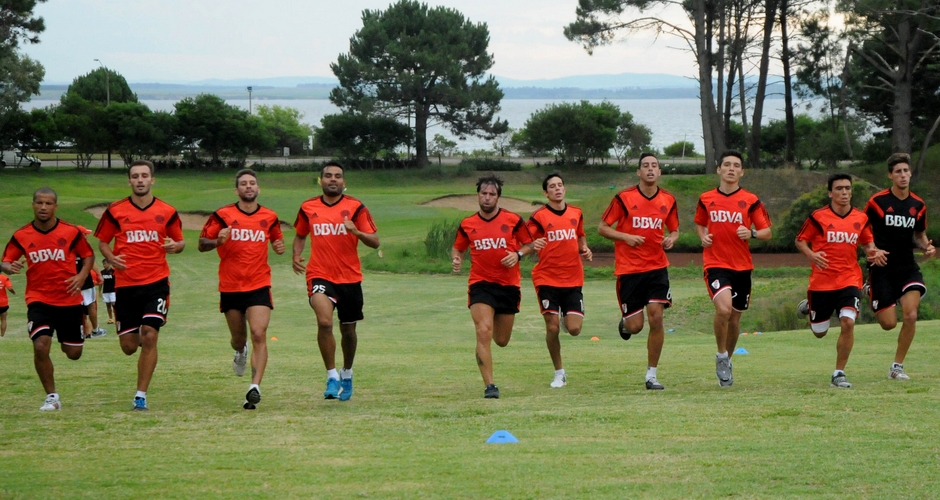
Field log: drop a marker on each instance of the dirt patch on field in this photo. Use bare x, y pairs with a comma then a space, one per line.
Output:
191, 220
468, 202
685, 259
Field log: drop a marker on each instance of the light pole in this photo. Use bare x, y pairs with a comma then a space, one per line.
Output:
249, 100
107, 94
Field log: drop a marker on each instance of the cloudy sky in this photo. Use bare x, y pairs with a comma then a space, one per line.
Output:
191, 40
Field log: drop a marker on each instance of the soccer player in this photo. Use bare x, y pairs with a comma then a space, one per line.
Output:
830, 239
5, 286
899, 222
335, 223
642, 215
90, 300
144, 230
497, 239
725, 219
53, 288
107, 288
240, 233
558, 229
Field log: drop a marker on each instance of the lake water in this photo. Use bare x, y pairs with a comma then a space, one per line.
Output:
670, 120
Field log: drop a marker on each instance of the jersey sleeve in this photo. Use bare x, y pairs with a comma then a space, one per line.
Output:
615, 211
363, 220
174, 227
213, 225
302, 224
81, 247
872, 210
275, 231
758, 215
701, 214
809, 230
462, 241
672, 219
521, 233
580, 230
535, 227
920, 225
107, 227
13, 251
866, 236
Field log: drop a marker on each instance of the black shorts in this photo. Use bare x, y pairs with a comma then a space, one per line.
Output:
66, 321
503, 299
4, 309
346, 298
739, 282
635, 291
557, 300
144, 305
887, 285
823, 303
241, 301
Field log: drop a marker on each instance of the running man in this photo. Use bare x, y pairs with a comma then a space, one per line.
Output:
240, 233
830, 239
498, 239
899, 222
336, 223
90, 300
5, 286
725, 219
558, 229
642, 215
107, 289
53, 288
144, 230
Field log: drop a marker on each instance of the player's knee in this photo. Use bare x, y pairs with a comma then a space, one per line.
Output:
574, 331
128, 349
259, 334
887, 323
909, 317
73, 354
501, 342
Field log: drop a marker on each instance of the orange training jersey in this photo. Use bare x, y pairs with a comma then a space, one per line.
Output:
333, 250
243, 264
722, 214
139, 235
838, 236
4, 284
50, 261
489, 242
632, 212
560, 261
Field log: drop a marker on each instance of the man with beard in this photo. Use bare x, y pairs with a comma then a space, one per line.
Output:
336, 223
240, 233
145, 229
53, 288
497, 239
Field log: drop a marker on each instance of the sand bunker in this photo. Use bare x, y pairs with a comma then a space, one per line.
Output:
191, 220
469, 203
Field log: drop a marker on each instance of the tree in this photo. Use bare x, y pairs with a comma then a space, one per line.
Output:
632, 139
360, 136
442, 146
137, 132
574, 132
503, 141
19, 75
207, 122
423, 63
83, 123
285, 124
103, 85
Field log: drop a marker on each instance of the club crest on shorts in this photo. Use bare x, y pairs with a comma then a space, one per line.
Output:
29, 327
716, 284
544, 304
874, 305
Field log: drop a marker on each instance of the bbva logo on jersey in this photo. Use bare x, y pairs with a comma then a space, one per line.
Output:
841, 237
647, 223
141, 236
725, 216
489, 243
47, 254
248, 235
328, 229
561, 235
899, 221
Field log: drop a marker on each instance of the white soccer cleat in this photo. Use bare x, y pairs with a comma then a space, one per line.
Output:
52, 404
240, 361
560, 381
897, 372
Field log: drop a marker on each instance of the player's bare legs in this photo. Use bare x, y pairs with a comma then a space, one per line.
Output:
910, 301
657, 336
147, 362
573, 323
3, 324
323, 308
348, 342
258, 319
43, 363
727, 325
845, 343
490, 327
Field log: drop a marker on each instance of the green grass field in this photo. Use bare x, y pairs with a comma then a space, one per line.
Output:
417, 425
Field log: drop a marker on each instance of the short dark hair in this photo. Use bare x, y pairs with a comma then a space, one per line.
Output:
137, 163
332, 163
45, 190
898, 158
492, 180
545, 180
645, 155
838, 177
243, 172
104, 262
731, 152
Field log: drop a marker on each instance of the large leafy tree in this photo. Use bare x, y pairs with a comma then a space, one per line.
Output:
103, 85
360, 136
574, 132
426, 64
285, 124
19, 75
218, 129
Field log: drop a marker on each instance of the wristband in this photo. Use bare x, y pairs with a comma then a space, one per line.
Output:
519, 253
753, 233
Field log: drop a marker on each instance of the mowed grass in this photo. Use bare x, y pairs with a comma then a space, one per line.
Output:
417, 424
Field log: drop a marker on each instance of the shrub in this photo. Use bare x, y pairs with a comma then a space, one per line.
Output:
680, 149
440, 239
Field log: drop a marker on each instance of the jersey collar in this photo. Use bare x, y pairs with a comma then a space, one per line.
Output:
323, 200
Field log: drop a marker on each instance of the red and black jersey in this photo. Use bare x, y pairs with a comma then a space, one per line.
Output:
4, 284
243, 265
894, 222
633, 213
560, 261
334, 254
50, 260
139, 234
722, 214
107, 278
489, 242
839, 236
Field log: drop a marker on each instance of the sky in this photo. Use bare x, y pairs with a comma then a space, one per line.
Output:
192, 40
